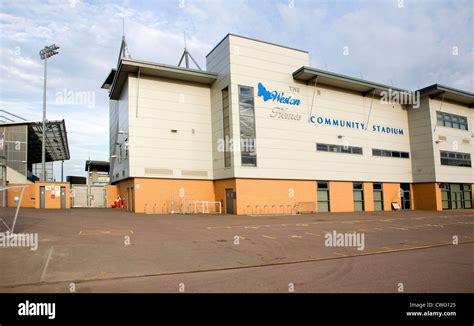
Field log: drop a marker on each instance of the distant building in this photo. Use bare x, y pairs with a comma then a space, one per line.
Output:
20, 162
21, 149
97, 173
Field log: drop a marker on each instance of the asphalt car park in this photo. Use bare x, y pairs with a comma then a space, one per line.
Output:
109, 250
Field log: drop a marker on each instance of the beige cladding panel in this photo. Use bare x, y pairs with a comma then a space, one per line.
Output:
171, 131
421, 142
287, 148
219, 61
453, 140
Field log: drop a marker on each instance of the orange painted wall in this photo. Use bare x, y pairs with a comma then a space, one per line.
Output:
427, 196
51, 202
122, 190
219, 192
153, 196
28, 195
112, 192
341, 196
259, 196
368, 196
391, 193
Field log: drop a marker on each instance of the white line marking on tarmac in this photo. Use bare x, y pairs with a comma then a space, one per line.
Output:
336, 253
268, 237
47, 263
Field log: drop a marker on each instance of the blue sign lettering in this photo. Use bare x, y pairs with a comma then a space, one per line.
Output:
355, 125
276, 96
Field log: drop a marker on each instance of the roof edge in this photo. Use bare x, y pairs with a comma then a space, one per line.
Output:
446, 89
253, 39
345, 78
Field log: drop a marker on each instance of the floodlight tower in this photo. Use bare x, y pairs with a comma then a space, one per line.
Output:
45, 53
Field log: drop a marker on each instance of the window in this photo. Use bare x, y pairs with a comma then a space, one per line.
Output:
456, 196
226, 126
358, 189
466, 188
451, 120
455, 159
388, 153
338, 149
247, 126
378, 197
323, 196
126, 149
445, 196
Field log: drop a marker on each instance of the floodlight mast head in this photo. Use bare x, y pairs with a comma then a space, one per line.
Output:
49, 51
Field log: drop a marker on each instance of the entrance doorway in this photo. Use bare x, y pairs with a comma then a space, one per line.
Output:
130, 200
456, 195
406, 196
63, 197
229, 201
42, 196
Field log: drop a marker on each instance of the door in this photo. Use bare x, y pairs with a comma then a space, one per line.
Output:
456, 196
229, 201
406, 197
42, 196
130, 199
63, 197
127, 202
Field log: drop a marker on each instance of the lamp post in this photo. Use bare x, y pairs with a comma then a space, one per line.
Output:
45, 53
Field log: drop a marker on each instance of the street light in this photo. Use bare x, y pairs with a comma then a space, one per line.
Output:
47, 52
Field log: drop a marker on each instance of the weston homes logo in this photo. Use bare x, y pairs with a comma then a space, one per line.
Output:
276, 96
280, 98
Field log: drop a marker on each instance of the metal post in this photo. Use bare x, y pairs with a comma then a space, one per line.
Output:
62, 171
88, 183
43, 145
45, 53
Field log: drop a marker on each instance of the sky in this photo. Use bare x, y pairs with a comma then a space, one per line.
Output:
405, 43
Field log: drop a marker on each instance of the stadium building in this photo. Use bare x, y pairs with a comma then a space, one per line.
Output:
261, 132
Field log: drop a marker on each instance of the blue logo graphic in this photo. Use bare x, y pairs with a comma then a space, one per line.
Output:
276, 96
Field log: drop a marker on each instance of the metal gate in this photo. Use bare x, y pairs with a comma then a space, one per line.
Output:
85, 196
98, 197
